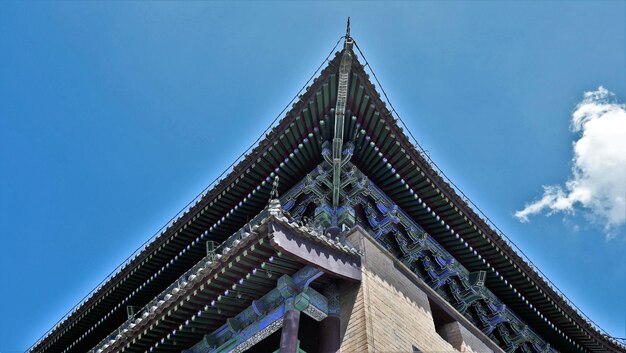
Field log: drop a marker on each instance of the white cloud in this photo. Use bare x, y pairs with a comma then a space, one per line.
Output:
598, 181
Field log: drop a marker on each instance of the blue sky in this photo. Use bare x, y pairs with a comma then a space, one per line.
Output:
115, 115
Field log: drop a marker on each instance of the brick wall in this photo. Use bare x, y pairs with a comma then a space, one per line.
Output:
388, 312
462, 339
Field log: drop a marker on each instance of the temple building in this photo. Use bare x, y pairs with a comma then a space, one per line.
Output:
334, 234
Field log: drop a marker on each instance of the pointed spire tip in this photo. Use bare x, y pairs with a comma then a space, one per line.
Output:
347, 44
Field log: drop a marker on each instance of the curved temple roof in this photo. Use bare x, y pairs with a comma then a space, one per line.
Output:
385, 154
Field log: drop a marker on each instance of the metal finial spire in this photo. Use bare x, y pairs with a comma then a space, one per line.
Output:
274, 192
340, 110
274, 207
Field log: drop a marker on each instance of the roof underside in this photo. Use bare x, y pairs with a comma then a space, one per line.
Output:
219, 288
384, 153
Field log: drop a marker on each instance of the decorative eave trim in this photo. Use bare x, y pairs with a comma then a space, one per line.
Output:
271, 230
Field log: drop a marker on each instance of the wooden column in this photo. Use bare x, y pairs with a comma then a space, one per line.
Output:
330, 339
289, 334
330, 331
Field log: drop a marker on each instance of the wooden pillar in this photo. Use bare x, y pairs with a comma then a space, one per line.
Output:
289, 334
330, 331
330, 339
